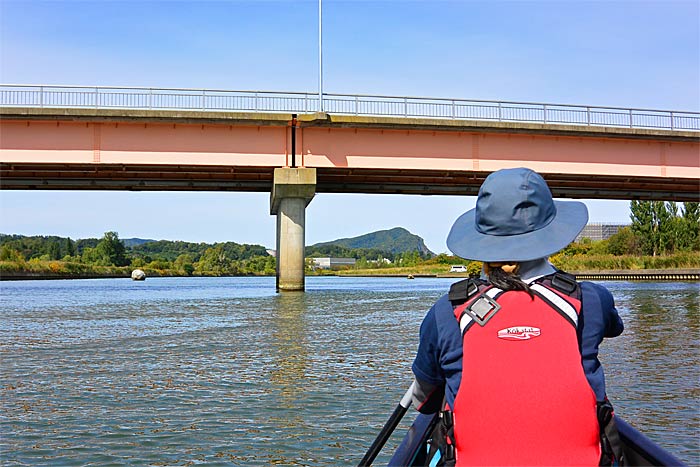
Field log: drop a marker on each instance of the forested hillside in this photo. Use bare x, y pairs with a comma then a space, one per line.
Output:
390, 242
23, 253
170, 250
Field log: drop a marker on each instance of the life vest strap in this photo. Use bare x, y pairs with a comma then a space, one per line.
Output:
565, 308
475, 300
479, 309
610, 442
443, 440
461, 291
564, 282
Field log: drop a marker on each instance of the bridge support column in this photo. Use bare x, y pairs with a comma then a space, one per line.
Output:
292, 191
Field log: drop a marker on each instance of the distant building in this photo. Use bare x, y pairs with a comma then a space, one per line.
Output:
599, 231
332, 263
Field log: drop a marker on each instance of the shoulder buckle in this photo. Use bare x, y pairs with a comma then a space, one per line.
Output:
564, 282
461, 291
482, 309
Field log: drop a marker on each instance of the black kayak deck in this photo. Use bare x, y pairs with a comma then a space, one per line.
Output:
639, 449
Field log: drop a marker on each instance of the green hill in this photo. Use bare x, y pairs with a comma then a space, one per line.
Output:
393, 242
129, 242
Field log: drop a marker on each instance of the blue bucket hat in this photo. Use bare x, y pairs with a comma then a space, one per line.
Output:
516, 219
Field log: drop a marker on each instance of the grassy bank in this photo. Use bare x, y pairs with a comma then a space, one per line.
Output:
575, 263
689, 260
36, 269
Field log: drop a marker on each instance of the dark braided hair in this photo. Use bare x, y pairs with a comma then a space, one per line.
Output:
506, 280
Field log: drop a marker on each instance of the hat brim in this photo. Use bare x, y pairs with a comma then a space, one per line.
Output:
467, 242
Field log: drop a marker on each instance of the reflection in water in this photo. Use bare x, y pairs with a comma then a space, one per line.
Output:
289, 361
290, 351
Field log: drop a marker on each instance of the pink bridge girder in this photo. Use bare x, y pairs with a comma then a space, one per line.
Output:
189, 150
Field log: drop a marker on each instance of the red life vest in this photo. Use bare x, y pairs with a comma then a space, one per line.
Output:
524, 398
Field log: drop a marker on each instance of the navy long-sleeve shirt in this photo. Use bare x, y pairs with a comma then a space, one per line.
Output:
438, 361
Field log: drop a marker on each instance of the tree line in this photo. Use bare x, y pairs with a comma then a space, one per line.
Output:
668, 233
170, 257
658, 228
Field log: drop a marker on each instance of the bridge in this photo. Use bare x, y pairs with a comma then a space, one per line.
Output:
283, 143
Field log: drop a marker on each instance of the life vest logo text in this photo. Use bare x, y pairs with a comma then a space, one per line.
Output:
519, 333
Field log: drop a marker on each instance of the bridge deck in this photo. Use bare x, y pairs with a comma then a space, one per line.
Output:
233, 151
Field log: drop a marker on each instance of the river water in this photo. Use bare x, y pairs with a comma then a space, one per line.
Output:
224, 371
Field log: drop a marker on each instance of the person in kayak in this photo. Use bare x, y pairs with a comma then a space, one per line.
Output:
511, 359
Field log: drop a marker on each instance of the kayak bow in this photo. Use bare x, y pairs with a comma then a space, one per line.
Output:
639, 450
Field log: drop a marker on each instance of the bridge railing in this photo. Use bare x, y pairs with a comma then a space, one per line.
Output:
366, 105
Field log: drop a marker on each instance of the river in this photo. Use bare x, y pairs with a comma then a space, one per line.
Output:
224, 371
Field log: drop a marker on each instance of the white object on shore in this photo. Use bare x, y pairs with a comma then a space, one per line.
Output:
138, 275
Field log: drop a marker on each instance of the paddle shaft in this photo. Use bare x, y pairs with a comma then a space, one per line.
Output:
388, 429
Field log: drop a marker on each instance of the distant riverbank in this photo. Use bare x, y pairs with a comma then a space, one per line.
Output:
633, 275
32, 275
680, 266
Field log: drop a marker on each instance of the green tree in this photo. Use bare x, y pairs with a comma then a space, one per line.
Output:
408, 258
690, 227
651, 225
160, 264
89, 256
83, 243
68, 247
54, 250
624, 242
10, 254
578, 248
443, 258
184, 263
474, 268
214, 261
672, 231
266, 265
111, 250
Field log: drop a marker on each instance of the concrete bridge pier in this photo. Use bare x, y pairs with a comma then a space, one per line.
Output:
292, 191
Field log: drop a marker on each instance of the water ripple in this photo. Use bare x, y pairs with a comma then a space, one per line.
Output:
223, 371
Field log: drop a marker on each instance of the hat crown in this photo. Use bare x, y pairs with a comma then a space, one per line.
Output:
513, 202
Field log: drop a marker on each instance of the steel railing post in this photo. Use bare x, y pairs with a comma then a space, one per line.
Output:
97, 98
544, 113
500, 115
405, 107
150, 98
41, 96
672, 123
588, 116
453, 109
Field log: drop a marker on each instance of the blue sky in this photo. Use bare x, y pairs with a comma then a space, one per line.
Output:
642, 54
